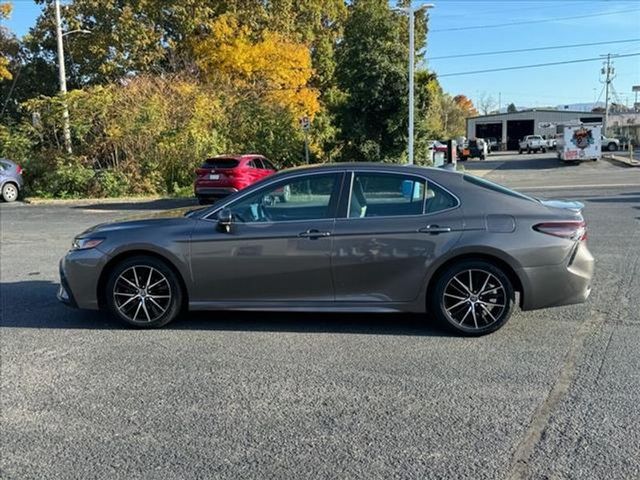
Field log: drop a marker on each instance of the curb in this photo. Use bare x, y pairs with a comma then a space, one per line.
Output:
622, 161
100, 201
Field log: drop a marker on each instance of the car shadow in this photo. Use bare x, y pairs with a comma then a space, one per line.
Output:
157, 204
545, 163
33, 304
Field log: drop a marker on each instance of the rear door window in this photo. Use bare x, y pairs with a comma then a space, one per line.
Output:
386, 195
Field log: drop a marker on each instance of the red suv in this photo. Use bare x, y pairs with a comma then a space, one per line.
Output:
226, 174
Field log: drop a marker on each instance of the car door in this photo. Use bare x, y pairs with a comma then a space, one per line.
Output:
393, 227
274, 251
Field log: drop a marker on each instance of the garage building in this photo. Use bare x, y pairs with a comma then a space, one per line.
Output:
510, 128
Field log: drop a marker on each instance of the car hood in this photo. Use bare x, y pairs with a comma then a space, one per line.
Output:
161, 219
564, 204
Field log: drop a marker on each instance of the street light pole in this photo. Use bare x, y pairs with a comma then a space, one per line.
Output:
411, 13
63, 81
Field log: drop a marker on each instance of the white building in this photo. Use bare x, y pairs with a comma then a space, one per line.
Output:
510, 128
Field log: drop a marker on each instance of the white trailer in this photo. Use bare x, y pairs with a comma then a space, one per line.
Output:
577, 142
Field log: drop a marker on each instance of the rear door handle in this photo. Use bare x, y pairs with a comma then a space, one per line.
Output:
434, 229
313, 234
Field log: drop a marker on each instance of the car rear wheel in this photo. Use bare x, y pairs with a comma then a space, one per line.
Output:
144, 292
9, 192
612, 147
473, 297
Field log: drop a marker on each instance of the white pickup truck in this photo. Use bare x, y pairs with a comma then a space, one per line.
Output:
611, 144
533, 143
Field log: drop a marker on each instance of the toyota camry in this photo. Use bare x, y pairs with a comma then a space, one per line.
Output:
349, 238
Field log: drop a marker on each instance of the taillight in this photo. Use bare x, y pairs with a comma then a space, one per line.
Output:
571, 230
18, 169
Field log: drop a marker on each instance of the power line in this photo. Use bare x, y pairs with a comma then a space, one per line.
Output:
536, 65
533, 49
530, 22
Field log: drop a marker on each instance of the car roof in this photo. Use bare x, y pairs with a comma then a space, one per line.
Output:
374, 166
238, 156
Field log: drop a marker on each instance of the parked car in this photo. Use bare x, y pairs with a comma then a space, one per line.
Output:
463, 151
533, 144
436, 146
476, 149
223, 175
611, 144
354, 237
11, 182
492, 144
552, 143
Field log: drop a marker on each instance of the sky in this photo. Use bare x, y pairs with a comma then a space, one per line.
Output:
470, 27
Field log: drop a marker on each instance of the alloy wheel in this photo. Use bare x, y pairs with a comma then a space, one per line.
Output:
142, 294
474, 299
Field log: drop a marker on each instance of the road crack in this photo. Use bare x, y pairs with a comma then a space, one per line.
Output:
541, 417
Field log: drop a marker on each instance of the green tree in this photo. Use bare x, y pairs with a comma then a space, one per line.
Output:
512, 108
371, 71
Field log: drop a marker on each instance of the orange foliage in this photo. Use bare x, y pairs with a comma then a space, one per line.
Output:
466, 105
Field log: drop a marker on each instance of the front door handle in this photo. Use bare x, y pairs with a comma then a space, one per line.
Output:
313, 234
435, 229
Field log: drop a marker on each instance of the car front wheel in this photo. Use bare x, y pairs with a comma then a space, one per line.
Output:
144, 292
612, 147
473, 297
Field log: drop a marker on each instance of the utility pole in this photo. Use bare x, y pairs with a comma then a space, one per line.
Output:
608, 71
63, 81
411, 13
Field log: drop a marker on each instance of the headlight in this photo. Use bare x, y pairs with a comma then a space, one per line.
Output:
85, 243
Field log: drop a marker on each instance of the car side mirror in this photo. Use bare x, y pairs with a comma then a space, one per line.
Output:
225, 220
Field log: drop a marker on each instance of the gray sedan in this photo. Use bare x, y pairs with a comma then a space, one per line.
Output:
351, 237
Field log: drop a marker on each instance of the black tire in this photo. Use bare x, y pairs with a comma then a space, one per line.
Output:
520, 151
10, 192
149, 316
612, 147
528, 150
544, 150
493, 312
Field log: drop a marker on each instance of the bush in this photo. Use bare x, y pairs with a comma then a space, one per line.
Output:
70, 179
110, 183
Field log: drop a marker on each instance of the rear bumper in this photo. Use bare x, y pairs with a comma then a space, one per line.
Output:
214, 191
556, 285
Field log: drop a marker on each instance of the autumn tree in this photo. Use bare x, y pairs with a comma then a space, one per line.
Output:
466, 105
5, 74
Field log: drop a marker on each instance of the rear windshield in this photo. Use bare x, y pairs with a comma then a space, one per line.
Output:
481, 182
220, 163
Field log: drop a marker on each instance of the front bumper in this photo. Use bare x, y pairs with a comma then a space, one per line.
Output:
64, 291
555, 285
80, 272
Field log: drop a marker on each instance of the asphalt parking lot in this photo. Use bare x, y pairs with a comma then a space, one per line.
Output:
554, 394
